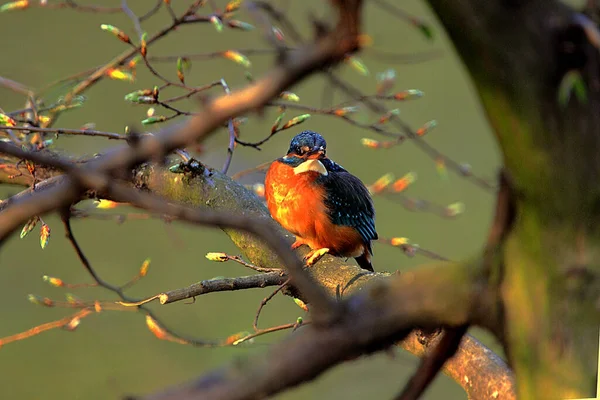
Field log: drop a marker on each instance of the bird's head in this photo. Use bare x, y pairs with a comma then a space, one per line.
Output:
307, 144
306, 149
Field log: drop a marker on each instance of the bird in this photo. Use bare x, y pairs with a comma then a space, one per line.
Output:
320, 202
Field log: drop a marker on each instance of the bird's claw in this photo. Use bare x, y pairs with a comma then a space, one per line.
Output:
315, 255
299, 242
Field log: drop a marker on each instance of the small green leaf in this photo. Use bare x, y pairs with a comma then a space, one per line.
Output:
571, 82
426, 29
154, 120
217, 23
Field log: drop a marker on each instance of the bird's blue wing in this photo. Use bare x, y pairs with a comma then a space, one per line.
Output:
349, 203
332, 166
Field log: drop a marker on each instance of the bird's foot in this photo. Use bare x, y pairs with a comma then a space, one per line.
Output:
315, 255
299, 242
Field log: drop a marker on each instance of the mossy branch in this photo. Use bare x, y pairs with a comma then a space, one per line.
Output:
208, 188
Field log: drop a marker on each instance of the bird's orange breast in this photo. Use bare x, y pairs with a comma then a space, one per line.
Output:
296, 202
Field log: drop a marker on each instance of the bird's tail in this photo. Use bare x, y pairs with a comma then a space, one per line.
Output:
364, 261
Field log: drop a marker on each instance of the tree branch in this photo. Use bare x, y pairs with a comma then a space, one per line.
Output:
220, 285
216, 191
326, 50
432, 296
377, 316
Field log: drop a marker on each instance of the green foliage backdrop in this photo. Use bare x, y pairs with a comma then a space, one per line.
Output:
113, 353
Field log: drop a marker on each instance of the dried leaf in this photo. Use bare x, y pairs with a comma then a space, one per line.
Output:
398, 241
382, 183
156, 329
402, 183
6, 120
120, 75
144, 267
40, 301
143, 44
295, 121
410, 94
386, 117
427, 127
340, 112
277, 122
14, 5
57, 282
370, 143
235, 338
122, 36
44, 235
301, 304
73, 324
28, 227
237, 57
233, 6
104, 204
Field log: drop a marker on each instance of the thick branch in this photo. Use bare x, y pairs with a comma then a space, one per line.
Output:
211, 189
480, 372
296, 65
376, 317
119, 191
219, 192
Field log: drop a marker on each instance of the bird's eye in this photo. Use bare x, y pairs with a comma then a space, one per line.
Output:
302, 150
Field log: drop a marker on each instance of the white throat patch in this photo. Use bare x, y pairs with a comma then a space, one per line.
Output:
311, 165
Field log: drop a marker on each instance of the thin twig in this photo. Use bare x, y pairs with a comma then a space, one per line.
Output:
117, 290
63, 131
428, 149
264, 302
60, 323
223, 284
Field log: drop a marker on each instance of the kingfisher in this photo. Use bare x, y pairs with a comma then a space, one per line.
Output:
322, 204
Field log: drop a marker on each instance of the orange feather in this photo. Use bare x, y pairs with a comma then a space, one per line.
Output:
296, 202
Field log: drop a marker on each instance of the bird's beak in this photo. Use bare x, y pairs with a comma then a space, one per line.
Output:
311, 165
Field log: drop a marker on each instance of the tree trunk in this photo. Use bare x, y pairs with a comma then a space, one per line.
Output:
525, 57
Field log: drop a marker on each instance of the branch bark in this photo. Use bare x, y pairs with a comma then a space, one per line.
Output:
295, 65
376, 317
219, 192
215, 191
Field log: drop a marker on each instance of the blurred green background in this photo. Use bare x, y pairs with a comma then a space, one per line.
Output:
113, 353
